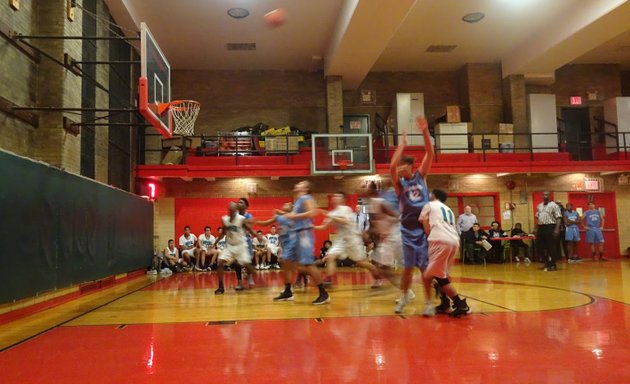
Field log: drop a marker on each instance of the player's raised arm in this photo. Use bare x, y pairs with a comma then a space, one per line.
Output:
393, 165
427, 161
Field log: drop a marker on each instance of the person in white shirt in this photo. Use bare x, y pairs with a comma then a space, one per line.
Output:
236, 250
438, 222
349, 242
187, 243
385, 230
171, 254
206, 248
274, 247
261, 251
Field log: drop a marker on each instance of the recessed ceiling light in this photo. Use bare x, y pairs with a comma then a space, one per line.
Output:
474, 17
238, 13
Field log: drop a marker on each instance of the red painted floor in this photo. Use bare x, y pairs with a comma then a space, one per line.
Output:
588, 344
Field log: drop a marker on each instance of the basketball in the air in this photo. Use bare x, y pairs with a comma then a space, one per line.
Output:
276, 18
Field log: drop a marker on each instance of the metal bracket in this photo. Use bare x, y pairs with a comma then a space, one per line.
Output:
10, 35
8, 107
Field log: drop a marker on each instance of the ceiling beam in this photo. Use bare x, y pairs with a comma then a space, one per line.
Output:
580, 30
363, 31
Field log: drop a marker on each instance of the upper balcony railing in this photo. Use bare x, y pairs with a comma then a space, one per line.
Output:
231, 148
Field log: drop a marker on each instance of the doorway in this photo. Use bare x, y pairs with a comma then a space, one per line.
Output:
577, 133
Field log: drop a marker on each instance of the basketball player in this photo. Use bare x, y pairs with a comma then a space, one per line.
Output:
234, 227
385, 229
412, 192
206, 248
349, 243
593, 223
273, 245
187, 243
304, 210
171, 254
243, 205
261, 251
438, 222
219, 244
286, 238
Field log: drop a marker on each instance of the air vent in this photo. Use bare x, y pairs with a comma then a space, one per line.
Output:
241, 46
441, 48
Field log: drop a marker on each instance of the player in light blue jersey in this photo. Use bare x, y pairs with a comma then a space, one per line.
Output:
413, 194
594, 223
572, 233
302, 258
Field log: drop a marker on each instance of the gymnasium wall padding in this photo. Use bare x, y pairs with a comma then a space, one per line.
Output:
58, 229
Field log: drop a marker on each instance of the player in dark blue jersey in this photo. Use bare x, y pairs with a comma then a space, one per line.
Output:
413, 194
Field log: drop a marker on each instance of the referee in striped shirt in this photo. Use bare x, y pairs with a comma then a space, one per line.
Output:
547, 230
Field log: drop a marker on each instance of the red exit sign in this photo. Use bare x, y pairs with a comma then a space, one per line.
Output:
576, 100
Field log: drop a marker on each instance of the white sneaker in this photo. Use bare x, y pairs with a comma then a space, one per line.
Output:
429, 310
164, 271
400, 305
518, 260
410, 296
527, 260
377, 283
258, 266
250, 281
152, 272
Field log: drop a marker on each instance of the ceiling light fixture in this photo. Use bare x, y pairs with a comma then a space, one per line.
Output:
474, 17
238, 13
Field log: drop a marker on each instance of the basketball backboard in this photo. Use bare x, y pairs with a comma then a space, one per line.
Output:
342, 154
154, 87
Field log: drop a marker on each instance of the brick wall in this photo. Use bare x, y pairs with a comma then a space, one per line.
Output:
439, 89
101, 139
47, 84
233, 99
625, 83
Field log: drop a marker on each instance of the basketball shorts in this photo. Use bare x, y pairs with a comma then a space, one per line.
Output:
415, 248
348, 248
302, 250
189, 252
441, 256
594, 236
389, 251
572, 233
238, 253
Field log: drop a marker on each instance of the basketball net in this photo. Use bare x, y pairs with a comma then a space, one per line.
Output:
184, 114
343, 165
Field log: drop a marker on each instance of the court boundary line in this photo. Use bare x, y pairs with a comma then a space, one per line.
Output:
74, 318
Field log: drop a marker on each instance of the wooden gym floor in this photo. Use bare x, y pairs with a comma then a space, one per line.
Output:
570, 326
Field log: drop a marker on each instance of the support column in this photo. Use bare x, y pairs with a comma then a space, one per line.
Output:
57, 87
515, 101
334, 104
485, 92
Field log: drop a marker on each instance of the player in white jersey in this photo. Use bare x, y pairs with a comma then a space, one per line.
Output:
349, 242
438, 222
385, 231
188, 245
273, 245
236, 250
205, 245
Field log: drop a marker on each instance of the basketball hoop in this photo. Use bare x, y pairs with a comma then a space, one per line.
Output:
184, 114
343, 165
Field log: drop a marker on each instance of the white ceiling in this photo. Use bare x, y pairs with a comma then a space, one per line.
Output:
533, 37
